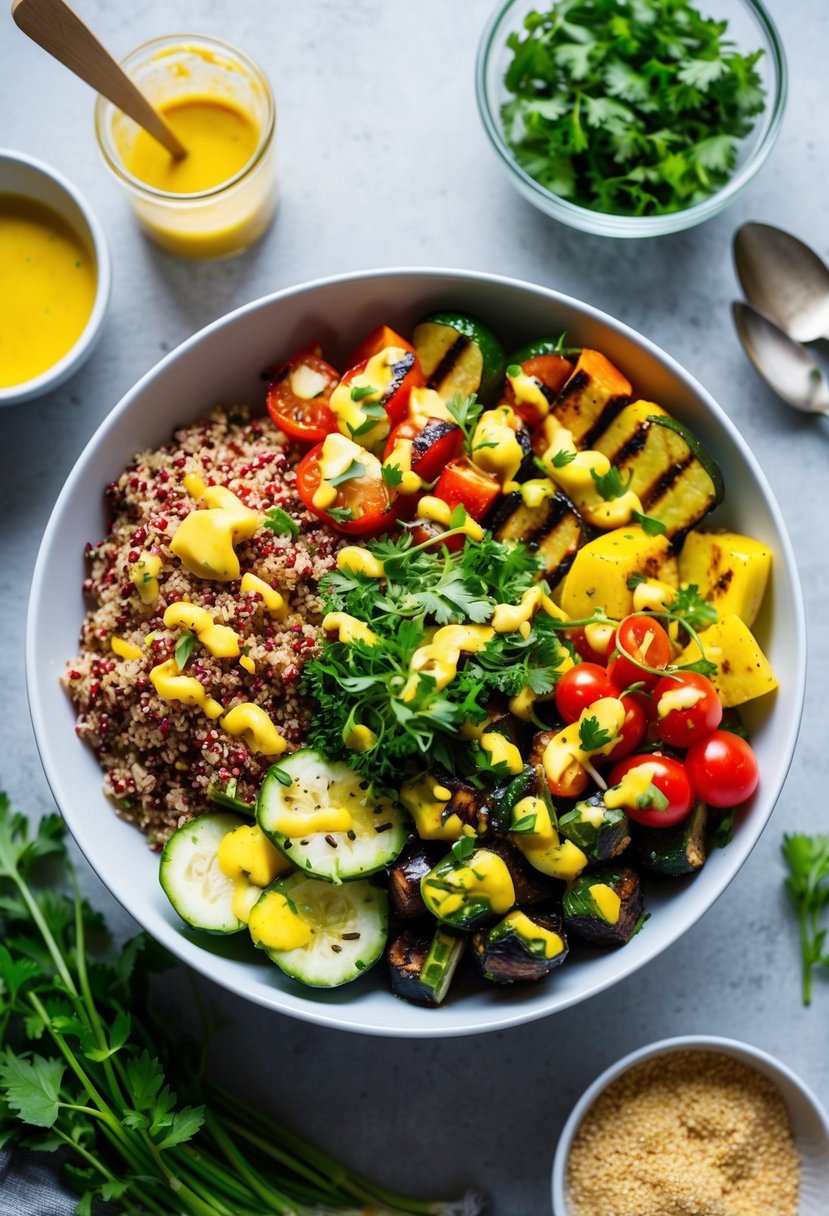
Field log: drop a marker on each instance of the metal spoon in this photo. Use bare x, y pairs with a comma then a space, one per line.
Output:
785, 365
785, 279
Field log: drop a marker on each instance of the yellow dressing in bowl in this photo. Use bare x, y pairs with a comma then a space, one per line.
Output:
48, 282
220, 139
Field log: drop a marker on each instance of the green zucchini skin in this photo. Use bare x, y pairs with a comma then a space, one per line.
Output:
603, 841
422, 961
542, 346
675, 851
469, 330
583, 918
190, 876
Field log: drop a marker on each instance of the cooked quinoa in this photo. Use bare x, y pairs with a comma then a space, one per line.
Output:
692, 1133
159, 756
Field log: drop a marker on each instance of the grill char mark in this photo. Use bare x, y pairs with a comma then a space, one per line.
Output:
449, 360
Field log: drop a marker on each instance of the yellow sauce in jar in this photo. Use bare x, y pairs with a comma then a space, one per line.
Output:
220, 139
48, 282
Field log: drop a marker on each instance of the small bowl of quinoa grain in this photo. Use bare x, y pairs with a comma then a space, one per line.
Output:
697, 1124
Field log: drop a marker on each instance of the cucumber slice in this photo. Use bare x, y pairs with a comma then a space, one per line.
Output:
349, 925
459, 354
378, 830
190, 876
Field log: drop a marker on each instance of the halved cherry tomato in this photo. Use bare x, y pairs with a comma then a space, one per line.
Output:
583, 648
551, 373
366, 497
633, 730
580, 687
461, 482
642, 638
671, 780
433, 446
697, 714
723, 769
405, 375
571, 783
379, 339
298, 396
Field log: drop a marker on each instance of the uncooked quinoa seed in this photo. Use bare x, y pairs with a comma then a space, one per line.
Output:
159, 756
689, 1133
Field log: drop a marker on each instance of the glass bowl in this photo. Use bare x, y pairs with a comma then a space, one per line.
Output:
750, 28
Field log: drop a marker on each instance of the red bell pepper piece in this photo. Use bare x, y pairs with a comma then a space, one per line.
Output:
462, 483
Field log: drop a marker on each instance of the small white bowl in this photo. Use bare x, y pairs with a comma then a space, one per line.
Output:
23, 175
810, 1125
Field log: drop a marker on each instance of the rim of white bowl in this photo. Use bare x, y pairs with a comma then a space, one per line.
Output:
735, 1048
14, 394
339, 1017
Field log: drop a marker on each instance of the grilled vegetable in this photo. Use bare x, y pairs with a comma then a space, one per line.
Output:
599, 831
604, 906
405, 877
743, 671
731, 571
319, 933
545, 371
422, 962
191, 878
459, 354
676, 480
442, 805
326, 820
678, 850
532, 884
463, 484
591, 398
469, 886
554, 530
601, 573
520, 948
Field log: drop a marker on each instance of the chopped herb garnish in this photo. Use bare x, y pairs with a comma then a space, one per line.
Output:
689, 606
514, 370
592, 735
635, 580
525, 824
184, 649
355, 469
359, 392
611, 484
649, 524
392, 475
562, 458
280, 522
462, 851
342, 515
653, 799
465, 410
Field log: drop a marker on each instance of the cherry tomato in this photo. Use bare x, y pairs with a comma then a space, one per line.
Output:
580, 687
571, 783
298, 396
670, 778
633, 728
723, 769
698, 713
642, 638
464, 483
366, 497
583, 648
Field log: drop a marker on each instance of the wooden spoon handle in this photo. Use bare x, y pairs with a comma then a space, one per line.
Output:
53, 25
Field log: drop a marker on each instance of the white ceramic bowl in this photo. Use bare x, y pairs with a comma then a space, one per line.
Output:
810, 1126
224, 363
23, 175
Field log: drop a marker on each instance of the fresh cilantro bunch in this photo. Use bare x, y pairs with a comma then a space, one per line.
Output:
81, 1070
630, 107
425, 586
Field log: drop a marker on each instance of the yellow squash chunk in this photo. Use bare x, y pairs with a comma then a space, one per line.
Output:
599, 575
730, 570
743, 671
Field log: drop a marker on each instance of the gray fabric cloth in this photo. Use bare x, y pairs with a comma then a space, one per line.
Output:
30, 1185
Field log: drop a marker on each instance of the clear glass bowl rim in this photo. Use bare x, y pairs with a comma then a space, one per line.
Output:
604, 223
114, 162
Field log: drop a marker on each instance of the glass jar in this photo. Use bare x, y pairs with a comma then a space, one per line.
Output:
222, 219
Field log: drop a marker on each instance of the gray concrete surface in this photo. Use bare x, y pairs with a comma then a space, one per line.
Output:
382, 162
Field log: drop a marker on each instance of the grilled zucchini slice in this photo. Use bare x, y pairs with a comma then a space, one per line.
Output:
459, 354
678, 850
675, 478
554, 530
422, 962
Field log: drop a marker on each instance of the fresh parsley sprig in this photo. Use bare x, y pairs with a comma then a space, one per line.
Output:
465, 410
807, 884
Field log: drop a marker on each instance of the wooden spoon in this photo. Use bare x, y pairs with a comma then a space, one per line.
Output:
53, 25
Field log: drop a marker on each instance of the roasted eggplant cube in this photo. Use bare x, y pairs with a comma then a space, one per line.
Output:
554, 530
520, 948
405, 876
604, 906
599, 831
422, 961
529, 783
442, 805
678, 850
530, 885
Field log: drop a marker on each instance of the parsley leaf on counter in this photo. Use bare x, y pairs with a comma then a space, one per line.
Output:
629, 108
807, 884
